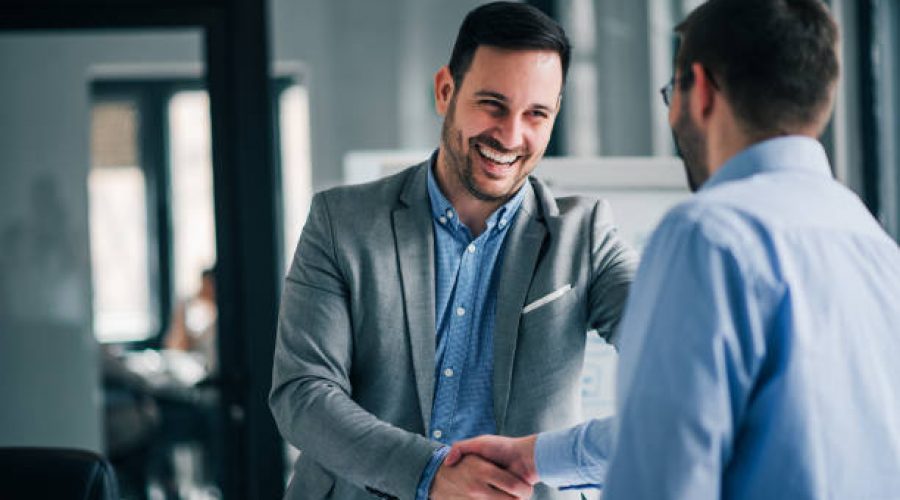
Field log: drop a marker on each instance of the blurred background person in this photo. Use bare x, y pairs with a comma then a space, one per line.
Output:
193, 325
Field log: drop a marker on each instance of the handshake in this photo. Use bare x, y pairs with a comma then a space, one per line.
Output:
487, 467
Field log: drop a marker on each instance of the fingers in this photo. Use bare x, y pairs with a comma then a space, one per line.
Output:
453, 457
465, 447
484, 446
507, 482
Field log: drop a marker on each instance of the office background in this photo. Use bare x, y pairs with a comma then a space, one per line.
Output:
112, 201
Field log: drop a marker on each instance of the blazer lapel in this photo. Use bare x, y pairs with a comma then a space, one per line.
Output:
522, 248
414, 240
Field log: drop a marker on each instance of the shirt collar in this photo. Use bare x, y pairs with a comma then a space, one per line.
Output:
792, 153
444, 213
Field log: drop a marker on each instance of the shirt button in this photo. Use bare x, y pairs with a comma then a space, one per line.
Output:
449, 214
437, 434
460, 311
471, 248
448, 372
442, 219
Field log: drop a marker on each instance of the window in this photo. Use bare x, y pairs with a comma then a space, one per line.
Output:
621, 54
191, 189
151, 196
123, 307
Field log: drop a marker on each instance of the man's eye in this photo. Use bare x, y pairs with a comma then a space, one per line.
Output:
491, 104
539, 114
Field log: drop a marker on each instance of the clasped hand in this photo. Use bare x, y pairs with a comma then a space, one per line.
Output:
487, 467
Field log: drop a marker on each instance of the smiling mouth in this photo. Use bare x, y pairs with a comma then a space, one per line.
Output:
500, 158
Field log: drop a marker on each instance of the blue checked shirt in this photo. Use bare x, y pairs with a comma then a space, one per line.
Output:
466, 273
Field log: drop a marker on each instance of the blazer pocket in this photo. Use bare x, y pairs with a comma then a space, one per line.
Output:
547, 299
553, 313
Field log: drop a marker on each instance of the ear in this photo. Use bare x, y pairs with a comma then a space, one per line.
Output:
703, 94
443, 90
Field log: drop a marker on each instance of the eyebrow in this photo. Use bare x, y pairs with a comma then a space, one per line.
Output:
502, 98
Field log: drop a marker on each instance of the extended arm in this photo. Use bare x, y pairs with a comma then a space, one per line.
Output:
576, 457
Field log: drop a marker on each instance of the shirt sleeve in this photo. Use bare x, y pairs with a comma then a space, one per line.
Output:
576, 457
430, 471
691, 341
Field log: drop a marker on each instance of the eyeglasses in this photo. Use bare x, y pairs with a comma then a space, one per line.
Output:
669, 89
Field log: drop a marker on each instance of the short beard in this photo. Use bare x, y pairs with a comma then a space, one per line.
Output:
691, 147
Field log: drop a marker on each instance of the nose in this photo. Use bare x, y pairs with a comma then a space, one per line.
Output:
511, 132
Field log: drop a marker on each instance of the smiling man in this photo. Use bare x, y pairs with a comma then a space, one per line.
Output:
452, 299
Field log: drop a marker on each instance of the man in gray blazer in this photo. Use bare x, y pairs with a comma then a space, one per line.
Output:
451, 299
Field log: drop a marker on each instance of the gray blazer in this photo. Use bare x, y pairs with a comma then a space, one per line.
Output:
354, 366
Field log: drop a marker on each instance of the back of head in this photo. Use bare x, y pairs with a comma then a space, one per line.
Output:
506, 25
775, 60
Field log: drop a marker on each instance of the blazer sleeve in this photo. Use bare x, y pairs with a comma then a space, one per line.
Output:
613, 266
311, 390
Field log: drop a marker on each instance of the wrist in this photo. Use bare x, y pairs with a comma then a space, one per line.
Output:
430, 471
527, 449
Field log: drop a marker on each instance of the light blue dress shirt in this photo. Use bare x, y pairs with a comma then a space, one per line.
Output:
466, 273
760, 348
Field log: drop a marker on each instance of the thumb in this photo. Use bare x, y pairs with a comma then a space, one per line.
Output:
460, 449
453, 457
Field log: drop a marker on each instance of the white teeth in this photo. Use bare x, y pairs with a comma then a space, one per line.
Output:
496, 156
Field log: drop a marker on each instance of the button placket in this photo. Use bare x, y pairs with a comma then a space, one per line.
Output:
460, 326
447, 390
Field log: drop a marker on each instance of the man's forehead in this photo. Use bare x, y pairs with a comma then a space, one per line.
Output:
505, 73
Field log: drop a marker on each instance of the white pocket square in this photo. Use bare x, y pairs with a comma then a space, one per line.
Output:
546, 299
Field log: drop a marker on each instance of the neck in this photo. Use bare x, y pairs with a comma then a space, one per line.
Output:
472, 211
726, 139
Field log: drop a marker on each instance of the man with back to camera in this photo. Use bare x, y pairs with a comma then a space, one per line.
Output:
760, 343
452, 299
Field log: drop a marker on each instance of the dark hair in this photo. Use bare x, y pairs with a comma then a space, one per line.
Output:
775, 60
506, 25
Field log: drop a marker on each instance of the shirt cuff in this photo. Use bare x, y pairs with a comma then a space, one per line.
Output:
577, 457
430, 471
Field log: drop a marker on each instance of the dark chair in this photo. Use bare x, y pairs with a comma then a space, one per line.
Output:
54, 473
